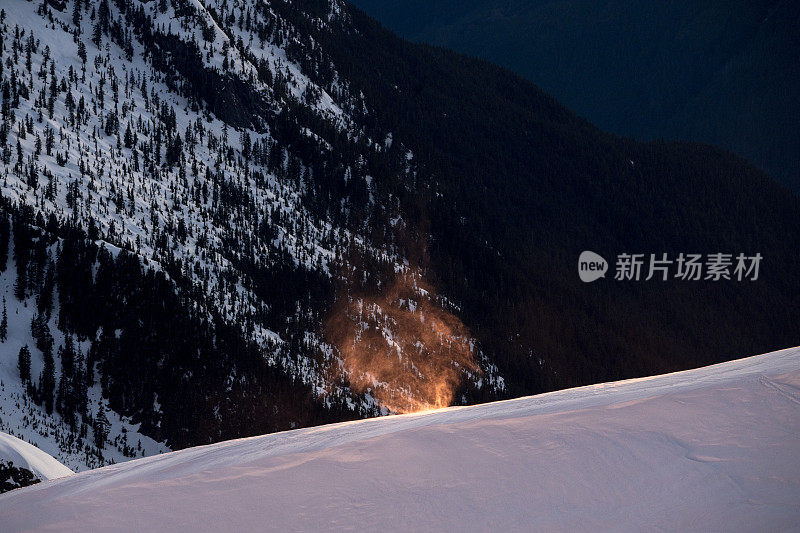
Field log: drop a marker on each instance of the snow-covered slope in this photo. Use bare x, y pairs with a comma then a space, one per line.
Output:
709, 449
23, 418
28, 456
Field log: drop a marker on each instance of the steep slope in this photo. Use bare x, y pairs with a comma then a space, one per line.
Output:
234, 217
30, 457
712, 448
723, 72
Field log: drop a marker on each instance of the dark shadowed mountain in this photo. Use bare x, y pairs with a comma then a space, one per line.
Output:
726, 72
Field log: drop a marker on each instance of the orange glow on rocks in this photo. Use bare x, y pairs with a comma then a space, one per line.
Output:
403, 347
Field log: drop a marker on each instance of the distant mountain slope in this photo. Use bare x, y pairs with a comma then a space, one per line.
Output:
724, 72
28, 456
707, 449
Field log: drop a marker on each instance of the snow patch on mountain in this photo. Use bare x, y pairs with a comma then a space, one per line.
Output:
28, 456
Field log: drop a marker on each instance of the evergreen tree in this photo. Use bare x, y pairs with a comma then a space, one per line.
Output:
45, 299
4, 323
22, 246
82, 51
103, 15
101, 427
174, 150
68, 358
62, 398
128, 136
97, 34
76, 14
79, 386
24, 364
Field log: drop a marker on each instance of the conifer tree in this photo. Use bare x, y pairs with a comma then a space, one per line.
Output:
79, 386
97, 35
82, 51
76, 14
101, 427
128, 136
4, 323
24, 364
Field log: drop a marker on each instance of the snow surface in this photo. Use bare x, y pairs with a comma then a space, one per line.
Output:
28, 456
709, 449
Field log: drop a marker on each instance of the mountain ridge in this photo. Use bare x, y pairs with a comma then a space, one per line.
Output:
720, 72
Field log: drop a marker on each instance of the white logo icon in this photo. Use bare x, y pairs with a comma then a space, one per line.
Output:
591, 266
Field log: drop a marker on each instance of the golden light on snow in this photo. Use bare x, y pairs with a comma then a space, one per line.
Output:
402, 347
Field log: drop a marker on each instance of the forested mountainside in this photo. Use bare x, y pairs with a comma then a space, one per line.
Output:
226, 218
98, 330
724, 72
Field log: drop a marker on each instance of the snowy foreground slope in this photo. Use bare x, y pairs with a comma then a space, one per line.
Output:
710, 449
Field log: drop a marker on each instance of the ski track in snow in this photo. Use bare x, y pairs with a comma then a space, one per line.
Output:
709, 449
